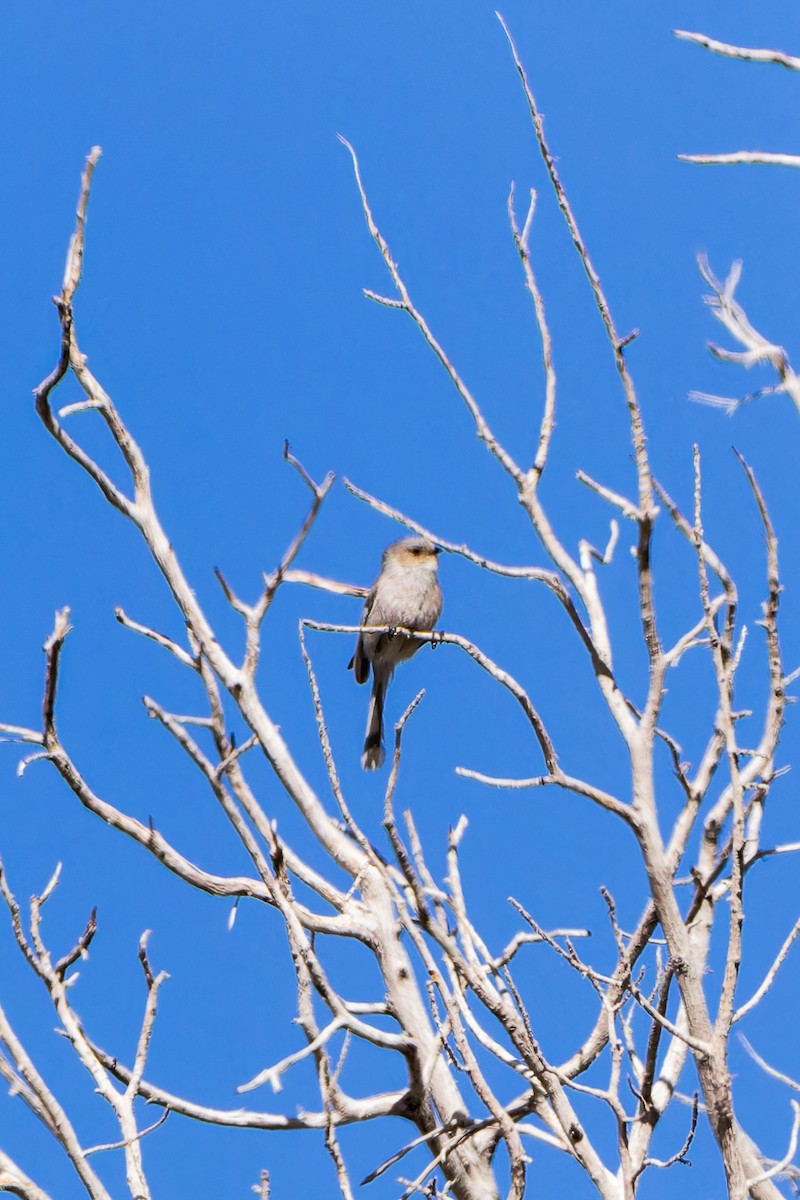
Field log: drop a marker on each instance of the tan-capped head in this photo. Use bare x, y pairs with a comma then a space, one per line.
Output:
410, 554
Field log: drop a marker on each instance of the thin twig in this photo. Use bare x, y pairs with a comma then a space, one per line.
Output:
752, 158
741, 52
406, 304
769, 978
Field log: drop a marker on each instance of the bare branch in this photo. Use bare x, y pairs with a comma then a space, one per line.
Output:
14, 1181
732, 316
617, 343
757, 158
779, 1075
81, 947
625, 506
769, 978
481, 427
18, 733
124, 1144
74, 265
52, 649
160, 639
740, 52
557, 779
521, 241
463, 551
778, 1167
33, 1089
272, 1075
527, 939
349, 1110
680, 1157
310, 579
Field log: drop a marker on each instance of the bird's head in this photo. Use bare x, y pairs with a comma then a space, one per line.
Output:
411, 554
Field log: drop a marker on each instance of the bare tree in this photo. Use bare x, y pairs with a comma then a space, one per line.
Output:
479, 1084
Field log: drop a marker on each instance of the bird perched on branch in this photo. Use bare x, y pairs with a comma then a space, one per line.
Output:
405, 595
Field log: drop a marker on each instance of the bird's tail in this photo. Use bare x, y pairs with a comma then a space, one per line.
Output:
373, 755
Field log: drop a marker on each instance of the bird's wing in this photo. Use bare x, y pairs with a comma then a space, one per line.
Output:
359, 663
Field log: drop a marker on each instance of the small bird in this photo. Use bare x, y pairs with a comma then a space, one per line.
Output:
405, 594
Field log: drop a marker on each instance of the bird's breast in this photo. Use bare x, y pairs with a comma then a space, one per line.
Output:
411, 599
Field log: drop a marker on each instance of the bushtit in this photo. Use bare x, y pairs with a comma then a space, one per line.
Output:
405, 594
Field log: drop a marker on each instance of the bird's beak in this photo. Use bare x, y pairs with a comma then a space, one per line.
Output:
437, 550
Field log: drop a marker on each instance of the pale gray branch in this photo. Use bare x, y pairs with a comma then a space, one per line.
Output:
769, 978
754, 158
741, 52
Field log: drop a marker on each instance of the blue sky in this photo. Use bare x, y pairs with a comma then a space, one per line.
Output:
221, 307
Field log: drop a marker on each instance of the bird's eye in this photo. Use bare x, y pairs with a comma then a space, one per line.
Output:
416, 550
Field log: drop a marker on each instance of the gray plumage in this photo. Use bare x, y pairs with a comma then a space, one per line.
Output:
406, 594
